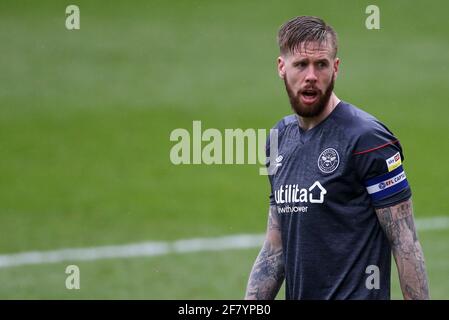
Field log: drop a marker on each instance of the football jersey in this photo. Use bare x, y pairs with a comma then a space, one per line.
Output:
326, 184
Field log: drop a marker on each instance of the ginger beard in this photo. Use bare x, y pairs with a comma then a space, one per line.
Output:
309, 93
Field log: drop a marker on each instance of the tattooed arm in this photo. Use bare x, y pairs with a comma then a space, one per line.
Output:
397, 222
267, 274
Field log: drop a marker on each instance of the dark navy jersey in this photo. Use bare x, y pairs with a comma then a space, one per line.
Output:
326, 185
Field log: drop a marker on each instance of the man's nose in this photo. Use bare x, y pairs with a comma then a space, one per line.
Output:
311, 75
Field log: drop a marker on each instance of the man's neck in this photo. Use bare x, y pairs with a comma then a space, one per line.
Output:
309, 123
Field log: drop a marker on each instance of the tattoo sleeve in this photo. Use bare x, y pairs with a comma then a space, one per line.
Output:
397, 222
267, 273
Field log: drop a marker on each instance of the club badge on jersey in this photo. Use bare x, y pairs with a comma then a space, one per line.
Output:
328, 160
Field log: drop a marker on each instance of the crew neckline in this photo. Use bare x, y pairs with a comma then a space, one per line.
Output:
309, 131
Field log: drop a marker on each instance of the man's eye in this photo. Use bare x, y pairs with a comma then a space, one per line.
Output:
302, 64
322, 64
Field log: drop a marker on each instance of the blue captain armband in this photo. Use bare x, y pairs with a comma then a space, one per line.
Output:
386, 185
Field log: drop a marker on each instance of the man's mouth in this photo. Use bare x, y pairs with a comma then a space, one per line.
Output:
309, 96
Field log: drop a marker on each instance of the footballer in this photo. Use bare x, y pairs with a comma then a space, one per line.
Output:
340, 202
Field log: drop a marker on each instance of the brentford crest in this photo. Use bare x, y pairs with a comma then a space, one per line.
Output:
328, 160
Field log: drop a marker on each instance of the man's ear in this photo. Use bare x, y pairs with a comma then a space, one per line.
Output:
336, 66
281, 67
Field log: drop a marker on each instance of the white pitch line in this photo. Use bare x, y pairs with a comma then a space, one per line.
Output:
434, 223
143, 249
148, 249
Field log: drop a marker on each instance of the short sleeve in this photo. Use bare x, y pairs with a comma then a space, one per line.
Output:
378, 159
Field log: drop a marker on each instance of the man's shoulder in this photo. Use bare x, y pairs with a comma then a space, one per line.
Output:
285, 122
357, 122
282, 125
361, 127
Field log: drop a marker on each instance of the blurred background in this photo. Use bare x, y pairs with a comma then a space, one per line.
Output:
86, 115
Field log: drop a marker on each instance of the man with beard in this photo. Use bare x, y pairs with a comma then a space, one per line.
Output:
340, 202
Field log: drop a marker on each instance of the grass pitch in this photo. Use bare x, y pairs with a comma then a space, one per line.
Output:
85, 119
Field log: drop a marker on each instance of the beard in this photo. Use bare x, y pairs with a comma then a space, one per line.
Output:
309, 111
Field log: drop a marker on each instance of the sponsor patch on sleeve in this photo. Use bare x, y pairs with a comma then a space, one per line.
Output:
387, 184
394, 162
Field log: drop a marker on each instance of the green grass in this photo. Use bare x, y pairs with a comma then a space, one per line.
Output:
180, 276
85, 118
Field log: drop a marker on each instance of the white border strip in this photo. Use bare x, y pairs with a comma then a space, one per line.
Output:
148, 249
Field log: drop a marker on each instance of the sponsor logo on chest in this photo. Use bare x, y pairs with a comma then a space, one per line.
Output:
291, 193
